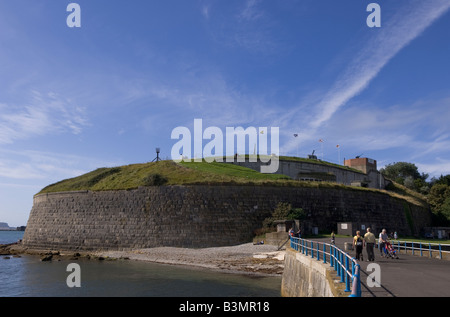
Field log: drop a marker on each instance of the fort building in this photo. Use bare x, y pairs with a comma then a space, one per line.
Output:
360, 172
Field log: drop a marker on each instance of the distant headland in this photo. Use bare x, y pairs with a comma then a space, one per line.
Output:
5, 227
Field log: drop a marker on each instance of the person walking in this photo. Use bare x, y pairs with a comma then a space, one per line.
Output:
291, 233
358, 243
382, 238
369, 243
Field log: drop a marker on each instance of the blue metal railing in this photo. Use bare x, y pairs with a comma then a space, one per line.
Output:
422, 247
347, 268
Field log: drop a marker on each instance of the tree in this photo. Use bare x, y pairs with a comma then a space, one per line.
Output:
439, 200
445, 180
284, 211
402, 170
409, 182
407, 174
438, 194
445, 209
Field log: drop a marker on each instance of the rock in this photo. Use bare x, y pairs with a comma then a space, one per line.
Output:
47, 257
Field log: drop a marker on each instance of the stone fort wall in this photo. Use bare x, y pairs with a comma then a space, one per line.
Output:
200, 215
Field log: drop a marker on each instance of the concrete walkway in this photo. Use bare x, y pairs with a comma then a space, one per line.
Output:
408, 276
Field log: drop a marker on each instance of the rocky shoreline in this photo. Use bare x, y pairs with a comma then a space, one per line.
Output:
246, 258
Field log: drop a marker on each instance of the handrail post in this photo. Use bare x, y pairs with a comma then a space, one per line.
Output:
318, 253
440, 251
306, 248
312, 249
347, 279
336, 261
324, 254
420, 245
331, 256
339, 265
358, 277
412, 247
343, 273
429, 247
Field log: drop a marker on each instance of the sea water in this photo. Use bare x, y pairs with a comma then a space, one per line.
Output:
28, 276
10, 236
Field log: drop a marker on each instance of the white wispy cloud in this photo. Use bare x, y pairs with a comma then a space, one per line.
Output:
435, 169
208, 97
395, 34
245, 26
41, 165
41, 114
251, 11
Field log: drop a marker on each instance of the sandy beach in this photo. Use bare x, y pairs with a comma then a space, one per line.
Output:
245, 258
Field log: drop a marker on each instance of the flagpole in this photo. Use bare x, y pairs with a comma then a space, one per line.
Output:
295, 136
339, 154
321, 145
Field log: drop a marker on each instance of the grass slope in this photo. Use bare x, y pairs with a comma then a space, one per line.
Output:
135, 175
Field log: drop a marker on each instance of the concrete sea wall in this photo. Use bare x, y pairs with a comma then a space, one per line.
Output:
304, 276
200, 216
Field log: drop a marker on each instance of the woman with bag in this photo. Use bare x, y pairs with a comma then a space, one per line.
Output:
358, 243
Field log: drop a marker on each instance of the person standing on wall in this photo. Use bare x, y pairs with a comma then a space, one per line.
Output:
369, 243
358, 243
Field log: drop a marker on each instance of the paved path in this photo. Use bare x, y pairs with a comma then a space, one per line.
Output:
408, 276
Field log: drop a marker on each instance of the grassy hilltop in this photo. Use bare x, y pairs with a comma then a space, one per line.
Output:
164, 173
197, 173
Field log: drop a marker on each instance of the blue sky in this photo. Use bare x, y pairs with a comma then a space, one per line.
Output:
108, 93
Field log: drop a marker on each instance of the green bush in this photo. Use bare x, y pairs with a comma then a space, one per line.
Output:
284, 211
155, 180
